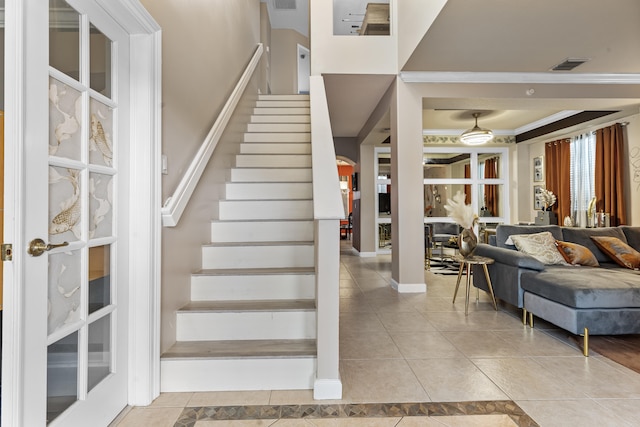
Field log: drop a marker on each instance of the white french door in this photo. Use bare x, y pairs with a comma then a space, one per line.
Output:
72, 108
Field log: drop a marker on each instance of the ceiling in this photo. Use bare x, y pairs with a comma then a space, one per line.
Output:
514, 37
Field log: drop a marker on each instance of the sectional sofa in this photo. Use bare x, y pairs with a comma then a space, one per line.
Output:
597, 300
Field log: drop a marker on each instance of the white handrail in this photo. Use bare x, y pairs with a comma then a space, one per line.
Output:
327, 199
175, 205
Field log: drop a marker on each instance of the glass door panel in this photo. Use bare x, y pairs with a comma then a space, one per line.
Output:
100, 61
62, 375
65, 128
65, 204
100, 145
64, 38
81, 309
99, 277
99, 351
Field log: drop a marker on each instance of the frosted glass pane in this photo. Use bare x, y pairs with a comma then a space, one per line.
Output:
100, 140
62, 375
64, 289
100, 205
64, 204
65, 112
99, 351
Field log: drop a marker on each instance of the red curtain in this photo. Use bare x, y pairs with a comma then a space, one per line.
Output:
467, 188
557, 174
609, 171
491, 191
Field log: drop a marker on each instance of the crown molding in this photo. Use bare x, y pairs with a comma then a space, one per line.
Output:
506, 78
545, 121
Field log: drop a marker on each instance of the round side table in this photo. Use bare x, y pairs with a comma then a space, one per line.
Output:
468, 262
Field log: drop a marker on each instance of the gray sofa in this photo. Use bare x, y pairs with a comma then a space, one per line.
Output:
602, 300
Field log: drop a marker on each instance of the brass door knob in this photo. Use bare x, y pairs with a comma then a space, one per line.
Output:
37, 247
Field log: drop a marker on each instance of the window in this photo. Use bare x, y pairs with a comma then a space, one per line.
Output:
478, 172
583, 149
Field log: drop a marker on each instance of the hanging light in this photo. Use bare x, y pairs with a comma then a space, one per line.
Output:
476, 135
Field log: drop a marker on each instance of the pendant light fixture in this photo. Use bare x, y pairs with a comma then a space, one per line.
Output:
476, 135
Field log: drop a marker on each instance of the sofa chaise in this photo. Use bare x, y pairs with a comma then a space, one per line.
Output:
597, 300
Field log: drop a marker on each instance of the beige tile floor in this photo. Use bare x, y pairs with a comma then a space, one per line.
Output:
421, 348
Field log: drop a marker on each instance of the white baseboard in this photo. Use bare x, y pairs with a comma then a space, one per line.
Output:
327, 389
364, 254
408, 287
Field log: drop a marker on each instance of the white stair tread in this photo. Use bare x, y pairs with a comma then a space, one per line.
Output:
241, 349
245, 306
286, 111
280, 118
294, 96
254, 271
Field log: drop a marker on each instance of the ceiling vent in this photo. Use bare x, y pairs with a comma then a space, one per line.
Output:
284, 4
569, 64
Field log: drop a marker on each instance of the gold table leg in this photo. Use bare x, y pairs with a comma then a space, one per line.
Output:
466, 303
458, 282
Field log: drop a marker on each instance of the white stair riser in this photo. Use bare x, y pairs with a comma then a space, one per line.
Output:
285, 256
277, 137
274, 148
179, 375
265, 209
248, 325
271, 175
303, 111
282, 97
273, 160
281, 118
280, 104
269, 191
261, 231
252, 287
278, 127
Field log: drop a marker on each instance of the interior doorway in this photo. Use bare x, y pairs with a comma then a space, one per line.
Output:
304, 69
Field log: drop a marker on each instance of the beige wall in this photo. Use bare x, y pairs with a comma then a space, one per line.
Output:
633, 145
198, 74
265, 38
284, 60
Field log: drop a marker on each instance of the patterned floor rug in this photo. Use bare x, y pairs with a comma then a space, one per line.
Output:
444, 266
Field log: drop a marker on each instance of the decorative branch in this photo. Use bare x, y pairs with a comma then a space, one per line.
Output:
460, 212
547, 198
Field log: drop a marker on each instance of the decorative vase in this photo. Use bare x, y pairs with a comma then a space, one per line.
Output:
467, 242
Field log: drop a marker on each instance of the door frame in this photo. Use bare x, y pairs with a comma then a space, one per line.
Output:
145, 225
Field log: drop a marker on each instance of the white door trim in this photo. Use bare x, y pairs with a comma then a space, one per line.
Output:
145, 222
13, 294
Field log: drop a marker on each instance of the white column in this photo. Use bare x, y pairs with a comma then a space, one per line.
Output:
368, 194
407, 191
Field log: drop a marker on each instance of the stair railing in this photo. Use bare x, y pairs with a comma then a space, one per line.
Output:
175, 205
328, 210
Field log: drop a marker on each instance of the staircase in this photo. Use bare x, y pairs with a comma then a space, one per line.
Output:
251, 322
